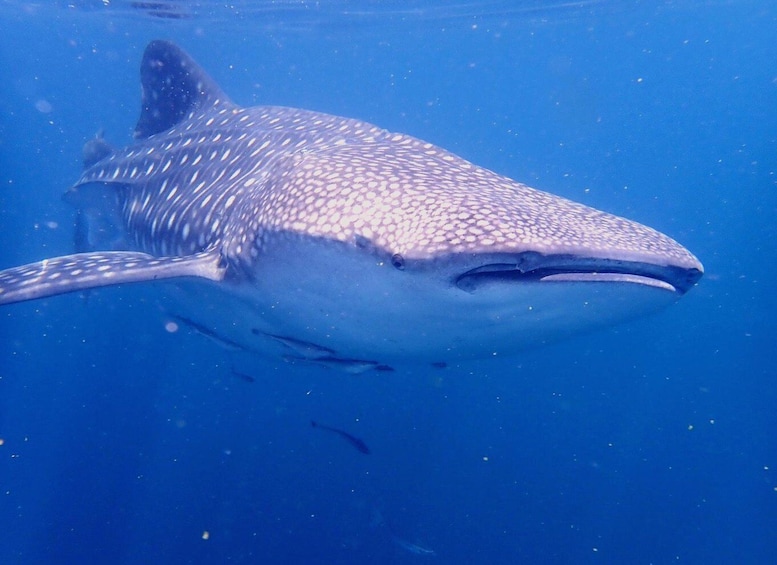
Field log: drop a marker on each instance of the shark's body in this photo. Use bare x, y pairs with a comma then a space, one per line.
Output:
332, 240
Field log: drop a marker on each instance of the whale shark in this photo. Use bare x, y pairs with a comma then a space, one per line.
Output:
329, 240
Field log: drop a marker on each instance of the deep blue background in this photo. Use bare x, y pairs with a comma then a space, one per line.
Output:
651, 442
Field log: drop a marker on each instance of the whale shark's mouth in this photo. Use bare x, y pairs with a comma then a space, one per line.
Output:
534, 267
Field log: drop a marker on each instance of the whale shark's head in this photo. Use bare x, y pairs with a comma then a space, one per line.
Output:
408, 251
334, 239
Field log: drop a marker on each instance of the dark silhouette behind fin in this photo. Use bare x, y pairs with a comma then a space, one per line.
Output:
95, 150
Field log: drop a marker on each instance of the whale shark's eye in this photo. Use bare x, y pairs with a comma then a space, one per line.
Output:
398, 261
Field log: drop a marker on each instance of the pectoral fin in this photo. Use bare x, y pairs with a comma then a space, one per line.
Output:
83, 271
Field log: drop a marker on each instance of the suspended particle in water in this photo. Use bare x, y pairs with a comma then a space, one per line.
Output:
43, 106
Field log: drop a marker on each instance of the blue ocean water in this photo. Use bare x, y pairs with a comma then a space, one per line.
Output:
649, 442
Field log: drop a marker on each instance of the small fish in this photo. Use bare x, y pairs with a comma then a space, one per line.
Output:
353, 440
324, 356
243, 376
413, 547
378, 521
212, 335
163, 9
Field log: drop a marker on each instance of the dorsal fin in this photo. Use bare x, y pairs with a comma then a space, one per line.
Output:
174, 88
